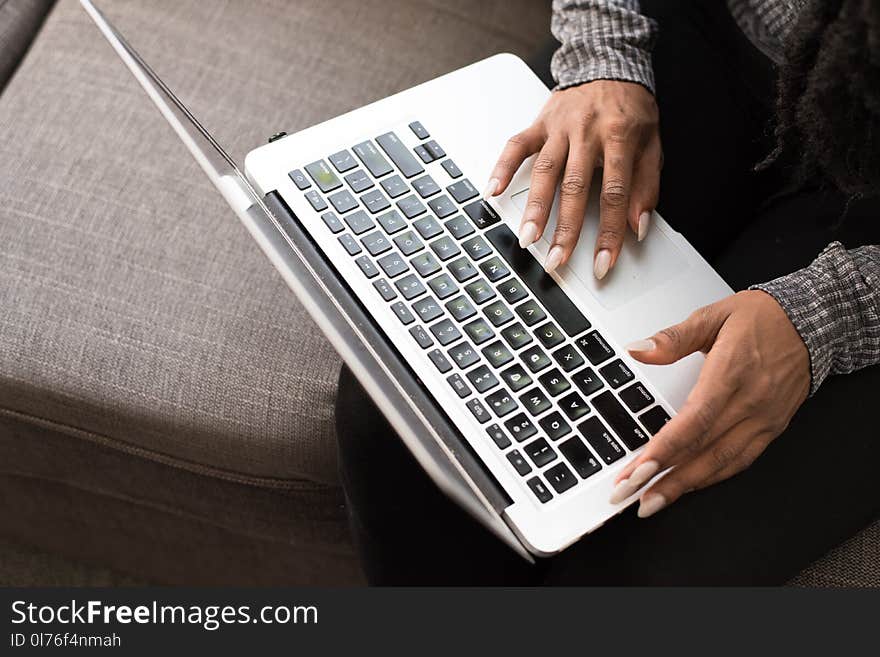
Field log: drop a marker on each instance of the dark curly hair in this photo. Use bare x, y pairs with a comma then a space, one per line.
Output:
828, 103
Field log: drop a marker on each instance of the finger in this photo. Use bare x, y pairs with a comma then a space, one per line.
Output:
696, 333
617, 175
546, 170
645, 189
574, 190
516, 150
729, 455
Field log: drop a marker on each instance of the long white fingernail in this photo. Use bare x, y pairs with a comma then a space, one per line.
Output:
554, 259
651, 504
602, 263
623, 490
644, 224
491, 187
528, 233
636, 480
641, 345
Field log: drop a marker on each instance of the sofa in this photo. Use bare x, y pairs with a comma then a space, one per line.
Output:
166, 405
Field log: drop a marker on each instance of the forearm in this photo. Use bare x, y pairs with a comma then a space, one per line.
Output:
835, 306
602, 40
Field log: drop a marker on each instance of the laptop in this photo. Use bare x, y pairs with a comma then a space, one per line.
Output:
509, 386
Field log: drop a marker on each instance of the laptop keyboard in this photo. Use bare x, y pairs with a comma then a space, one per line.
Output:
549, 390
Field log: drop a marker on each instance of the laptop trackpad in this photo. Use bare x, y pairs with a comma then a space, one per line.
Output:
641, 266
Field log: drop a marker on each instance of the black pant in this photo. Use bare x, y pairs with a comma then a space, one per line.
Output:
815, 485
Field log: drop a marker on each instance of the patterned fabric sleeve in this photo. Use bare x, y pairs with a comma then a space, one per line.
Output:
835, 306
602, 40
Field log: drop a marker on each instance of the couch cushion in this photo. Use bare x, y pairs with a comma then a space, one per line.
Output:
135, 307
19, 21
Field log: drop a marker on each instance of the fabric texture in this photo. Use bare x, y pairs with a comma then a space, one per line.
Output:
19, 22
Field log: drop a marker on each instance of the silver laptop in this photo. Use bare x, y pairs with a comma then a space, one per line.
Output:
508, 385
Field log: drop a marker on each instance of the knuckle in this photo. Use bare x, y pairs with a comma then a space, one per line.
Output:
722, 456
672, 335
609, 237
537, 203
614, 194
544, 164
565, 232
572, 185
519, 139
619, 129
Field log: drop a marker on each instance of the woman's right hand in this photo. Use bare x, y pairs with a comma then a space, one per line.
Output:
604, 123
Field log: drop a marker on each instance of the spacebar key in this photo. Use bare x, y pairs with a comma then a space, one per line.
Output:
619, 419
542, 286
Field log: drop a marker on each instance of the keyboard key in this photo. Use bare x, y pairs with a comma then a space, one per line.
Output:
476, 248
517, 336
568, 358
399, 154
594, 347
540, 452
616, 373
535, 358
478, 410
482, 214
540, 490
480, 291
554, 382
535, 401
427, 309
443, 286
359, 181
323, 176
383, 288
521, 427
636, 397
372, 159
463, 269
299, 179
494, 269
482, 378
394, 186
419, 130
342, 161
459, 226
424, 263
424, 154
343, 201
518, 462
574, 406
411, 206
445, 248
421, 335
375, 243
549, 335
428, 227
554, 425
463, 355
501, 403
332, 222
530, 312
367, 267
542, 286
375, 201
408, 244
445, 331
425, 186
620, 421
516, 377
451, 168
497, 354
601, 440
440, 361
393, 265
315, 200
512, 291
461, 388
462, 191
654, 419
479, 331
560, 477
435, 150
460, 308
587, 381
581, 458
350, 244
498, 436
392, 222
442, 206
403, 313
410, 287
498, 313
359, 222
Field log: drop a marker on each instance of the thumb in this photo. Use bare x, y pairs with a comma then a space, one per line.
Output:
696, 333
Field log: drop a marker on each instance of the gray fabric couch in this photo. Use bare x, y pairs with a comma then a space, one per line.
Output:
165, 403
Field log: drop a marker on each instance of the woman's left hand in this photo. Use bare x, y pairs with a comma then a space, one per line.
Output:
756, 375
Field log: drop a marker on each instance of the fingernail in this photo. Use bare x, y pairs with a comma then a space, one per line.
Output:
651, 504
636, 480
528, 233
641, 345
602, 263
554, 259
644, 224
491, 187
